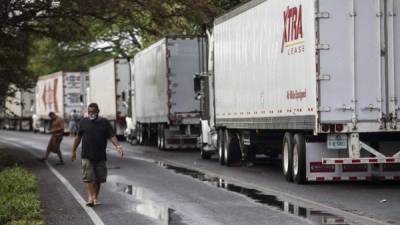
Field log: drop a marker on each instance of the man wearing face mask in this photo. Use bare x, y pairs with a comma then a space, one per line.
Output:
94, 131
57, 132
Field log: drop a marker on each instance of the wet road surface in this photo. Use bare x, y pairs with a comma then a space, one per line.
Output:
177, 187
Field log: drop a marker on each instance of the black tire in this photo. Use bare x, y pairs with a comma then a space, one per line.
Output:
287, 156
142, 134
299, 159
159, 136
221, 157
162, 137
231, 147
138, 133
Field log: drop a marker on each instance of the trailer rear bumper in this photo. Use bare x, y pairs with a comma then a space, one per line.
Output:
182, 142
323, 164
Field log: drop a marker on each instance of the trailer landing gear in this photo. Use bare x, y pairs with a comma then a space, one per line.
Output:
205, 154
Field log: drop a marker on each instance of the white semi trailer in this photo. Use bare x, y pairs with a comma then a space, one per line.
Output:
109, 88
315, 82
19, 110
166, 109
61, 93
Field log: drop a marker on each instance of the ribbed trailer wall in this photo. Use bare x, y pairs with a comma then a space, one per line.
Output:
265, 74
163, 77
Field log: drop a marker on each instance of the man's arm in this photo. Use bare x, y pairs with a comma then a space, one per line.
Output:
117, 145
58, 127
77, 141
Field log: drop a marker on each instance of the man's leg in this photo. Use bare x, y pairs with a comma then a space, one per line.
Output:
88, 191
101, 176
45, 156
49, 146
98, 186
58, 143
89, 178
91, 192
60, 157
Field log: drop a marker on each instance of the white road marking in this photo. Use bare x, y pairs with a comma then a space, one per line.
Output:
91, 213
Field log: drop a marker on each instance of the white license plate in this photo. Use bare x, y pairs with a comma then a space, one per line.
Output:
337, 141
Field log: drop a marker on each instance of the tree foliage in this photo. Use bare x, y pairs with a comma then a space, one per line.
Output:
42, 36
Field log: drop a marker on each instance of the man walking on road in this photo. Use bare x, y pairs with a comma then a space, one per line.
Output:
57, 132
94, 132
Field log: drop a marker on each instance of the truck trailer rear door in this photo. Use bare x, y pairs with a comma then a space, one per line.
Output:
351, 66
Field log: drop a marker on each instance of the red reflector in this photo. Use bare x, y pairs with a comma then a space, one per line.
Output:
318, 167
390, 160
353, 178
320, 178
173, 141
336, 178
338, 161
325, 128
355, 168
355, 161
339, 220
382, 178
339, 127
397, 177
373, 160
368, 178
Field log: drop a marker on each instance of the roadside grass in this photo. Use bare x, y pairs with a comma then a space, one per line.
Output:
19, 196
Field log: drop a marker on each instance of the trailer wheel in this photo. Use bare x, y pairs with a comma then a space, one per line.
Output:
231, 147
162, 137
141, 134
138, 133
299, 159
287, 156
158, 136
221, 147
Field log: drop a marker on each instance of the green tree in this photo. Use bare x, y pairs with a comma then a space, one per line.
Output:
42, 36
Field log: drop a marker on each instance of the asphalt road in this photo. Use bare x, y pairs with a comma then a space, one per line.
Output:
149, 187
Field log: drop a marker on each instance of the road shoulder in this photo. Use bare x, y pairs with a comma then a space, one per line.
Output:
57, 204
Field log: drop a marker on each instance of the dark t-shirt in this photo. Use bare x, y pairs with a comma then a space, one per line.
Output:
94, 138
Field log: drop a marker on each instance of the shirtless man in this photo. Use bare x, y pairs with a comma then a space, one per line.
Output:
57, 132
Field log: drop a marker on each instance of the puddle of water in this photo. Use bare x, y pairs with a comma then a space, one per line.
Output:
147, 208
316, 216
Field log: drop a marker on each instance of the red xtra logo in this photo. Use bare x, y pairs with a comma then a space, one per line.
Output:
293, 27
49, 96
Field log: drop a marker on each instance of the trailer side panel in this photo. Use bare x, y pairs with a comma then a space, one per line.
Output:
265, 71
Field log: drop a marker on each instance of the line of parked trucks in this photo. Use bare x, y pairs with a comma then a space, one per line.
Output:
315, 84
